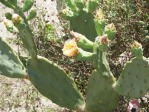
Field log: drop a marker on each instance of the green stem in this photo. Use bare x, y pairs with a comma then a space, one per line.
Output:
103, 64
26, 35
100, 61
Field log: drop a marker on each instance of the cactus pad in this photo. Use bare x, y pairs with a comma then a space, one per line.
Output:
7, 4
100, 95
10, 65
84, 24
134, 79
53, 82
27, 5
27, 38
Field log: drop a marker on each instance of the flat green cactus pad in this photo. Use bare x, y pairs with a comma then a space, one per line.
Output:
134, 79
84, 24
100, 95
53, 82
10, 65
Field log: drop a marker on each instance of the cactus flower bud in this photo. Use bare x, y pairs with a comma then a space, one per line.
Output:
64, 11
9, 26
70, 48
99, 14
18, 21
76, 35
147, 37
136, 44
103, 42
16, 18
134, 106
111, 27
6, 22
99, 22
110, 30
82, 41
137, 49
67, 13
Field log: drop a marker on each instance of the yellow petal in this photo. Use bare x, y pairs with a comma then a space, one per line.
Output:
70, 48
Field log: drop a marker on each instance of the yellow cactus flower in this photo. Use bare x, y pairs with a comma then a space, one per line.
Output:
99, 14
136, 44
16, 18
70, 48
6, 22
9, 26
111, 27
64, 11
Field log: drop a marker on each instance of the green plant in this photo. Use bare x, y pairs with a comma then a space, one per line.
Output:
130, 25
52, 81
80, 12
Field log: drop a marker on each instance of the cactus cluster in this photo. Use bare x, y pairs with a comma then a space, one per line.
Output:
91, 40
80, 12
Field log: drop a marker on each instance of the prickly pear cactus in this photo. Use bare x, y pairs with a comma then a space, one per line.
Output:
25, 34
31, 15
100, 95
8, 3
134, 79
53, 82
79, 13
27, 5
10, 64
85, 24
